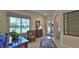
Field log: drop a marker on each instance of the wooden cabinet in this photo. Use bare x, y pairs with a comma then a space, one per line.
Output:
39, 33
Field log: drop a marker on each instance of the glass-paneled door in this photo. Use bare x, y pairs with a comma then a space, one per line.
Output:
49, 27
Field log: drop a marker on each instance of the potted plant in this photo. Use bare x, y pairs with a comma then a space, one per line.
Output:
15, 36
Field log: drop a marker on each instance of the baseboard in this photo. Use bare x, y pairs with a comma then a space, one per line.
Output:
66, 46
61, 45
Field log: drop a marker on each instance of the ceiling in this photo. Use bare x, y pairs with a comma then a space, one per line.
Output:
49, 12
42, 11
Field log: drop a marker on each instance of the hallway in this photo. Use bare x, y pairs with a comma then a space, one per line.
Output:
38, 42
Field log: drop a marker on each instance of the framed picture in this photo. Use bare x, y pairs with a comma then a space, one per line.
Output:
37, 24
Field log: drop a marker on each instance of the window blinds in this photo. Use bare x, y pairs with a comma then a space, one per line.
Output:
71, 23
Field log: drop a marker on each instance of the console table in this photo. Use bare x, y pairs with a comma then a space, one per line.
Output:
39, 33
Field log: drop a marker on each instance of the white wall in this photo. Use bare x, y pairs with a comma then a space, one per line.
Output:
3, 23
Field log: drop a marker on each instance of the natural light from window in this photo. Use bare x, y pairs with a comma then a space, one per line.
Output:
20, 25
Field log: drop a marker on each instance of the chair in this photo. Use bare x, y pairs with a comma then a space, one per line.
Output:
31, 35
2, 39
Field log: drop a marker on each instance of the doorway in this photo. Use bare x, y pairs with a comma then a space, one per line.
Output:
50, 27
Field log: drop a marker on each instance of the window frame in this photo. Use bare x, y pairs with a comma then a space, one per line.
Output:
20, 23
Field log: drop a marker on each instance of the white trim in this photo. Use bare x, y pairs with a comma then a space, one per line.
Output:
60, 45
66, 46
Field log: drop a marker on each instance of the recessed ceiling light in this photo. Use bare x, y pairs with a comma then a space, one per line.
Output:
45, 14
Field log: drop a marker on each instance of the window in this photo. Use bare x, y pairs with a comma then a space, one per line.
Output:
71, 23
20, 25
25, 25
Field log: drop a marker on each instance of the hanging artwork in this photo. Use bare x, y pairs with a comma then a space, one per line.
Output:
37, 24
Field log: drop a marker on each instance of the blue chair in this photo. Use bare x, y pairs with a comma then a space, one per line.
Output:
2, 40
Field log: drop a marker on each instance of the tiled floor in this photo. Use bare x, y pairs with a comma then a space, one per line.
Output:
34, 44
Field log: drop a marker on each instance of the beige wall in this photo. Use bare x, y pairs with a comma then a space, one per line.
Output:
3, 23
33, 16
65, 40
